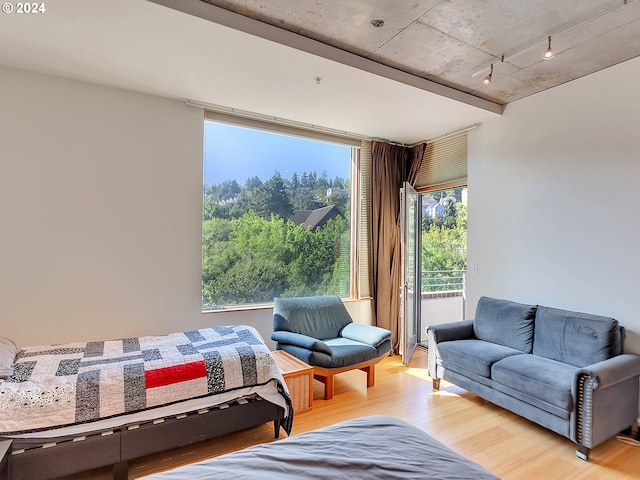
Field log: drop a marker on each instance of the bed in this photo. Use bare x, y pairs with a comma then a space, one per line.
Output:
78, 406
374, 447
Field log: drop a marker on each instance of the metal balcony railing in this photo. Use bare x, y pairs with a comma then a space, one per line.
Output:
453, 281
443, 297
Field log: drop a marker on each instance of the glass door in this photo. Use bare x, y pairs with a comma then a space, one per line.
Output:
410, 282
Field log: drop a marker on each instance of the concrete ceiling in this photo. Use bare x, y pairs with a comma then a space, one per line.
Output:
448, 41
407, 81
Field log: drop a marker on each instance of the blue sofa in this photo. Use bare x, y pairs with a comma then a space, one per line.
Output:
561, 369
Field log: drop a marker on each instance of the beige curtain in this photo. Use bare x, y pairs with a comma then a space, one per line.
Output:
391, 165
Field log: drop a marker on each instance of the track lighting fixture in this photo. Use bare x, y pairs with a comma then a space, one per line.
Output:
563, 30
488, 78
549, 53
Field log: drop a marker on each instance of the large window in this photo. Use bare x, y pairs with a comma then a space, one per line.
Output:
276, 216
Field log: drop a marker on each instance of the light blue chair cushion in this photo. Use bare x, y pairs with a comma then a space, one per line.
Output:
367, 334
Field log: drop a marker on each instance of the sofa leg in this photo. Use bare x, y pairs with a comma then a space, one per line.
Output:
583, 452
436, 383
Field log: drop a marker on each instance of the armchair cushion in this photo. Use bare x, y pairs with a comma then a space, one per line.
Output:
302, 341
349, 352
309, 357
367, 334
319, 317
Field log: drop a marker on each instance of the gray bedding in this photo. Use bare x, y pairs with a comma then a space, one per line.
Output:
376, 447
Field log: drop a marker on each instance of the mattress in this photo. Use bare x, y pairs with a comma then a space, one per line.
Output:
375, 447
73, 389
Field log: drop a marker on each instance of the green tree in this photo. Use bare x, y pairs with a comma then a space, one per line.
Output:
229, 189
253, 260
243, 264
339, 200
444, 238
450, 212
252, 183
444, 248
271, 198
304, 199
313, 257
212, 209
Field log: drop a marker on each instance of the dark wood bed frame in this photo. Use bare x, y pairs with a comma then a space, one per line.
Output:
55, 457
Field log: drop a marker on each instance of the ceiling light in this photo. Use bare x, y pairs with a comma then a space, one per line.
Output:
563, 30
549, 53
488, 78
377, 22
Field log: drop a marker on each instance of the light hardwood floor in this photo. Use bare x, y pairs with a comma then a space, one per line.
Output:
507, 445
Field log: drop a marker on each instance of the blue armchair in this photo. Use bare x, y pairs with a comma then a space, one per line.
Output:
320, 332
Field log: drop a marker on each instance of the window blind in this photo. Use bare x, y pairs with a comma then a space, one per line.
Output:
364, 230
444, 162
283, 127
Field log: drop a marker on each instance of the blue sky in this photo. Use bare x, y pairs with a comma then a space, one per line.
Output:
239, 153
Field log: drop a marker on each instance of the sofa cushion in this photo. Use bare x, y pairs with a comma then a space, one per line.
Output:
505, 322
579, 339
538, 377
475, 356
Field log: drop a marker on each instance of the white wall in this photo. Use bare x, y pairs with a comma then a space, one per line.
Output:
100, 210
554, 210
101, 214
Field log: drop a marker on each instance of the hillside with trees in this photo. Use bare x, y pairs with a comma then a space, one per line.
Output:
253, 252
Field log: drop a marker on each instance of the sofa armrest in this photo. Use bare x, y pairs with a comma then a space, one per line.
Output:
612, 371
606, 396
367, 334
302, 341
445, 332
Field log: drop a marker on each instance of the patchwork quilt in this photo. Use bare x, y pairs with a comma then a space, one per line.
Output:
60, 385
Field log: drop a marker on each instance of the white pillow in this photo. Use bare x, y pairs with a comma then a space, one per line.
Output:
8, 351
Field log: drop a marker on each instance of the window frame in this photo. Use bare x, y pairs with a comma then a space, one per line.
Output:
353, 141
